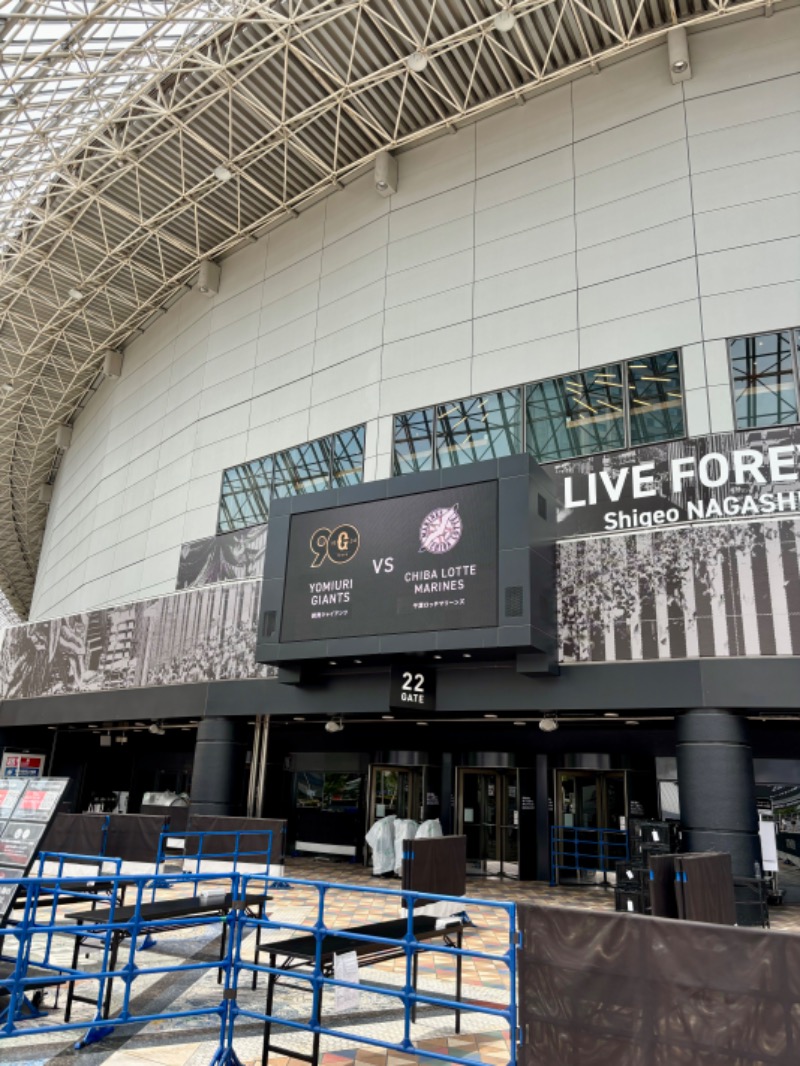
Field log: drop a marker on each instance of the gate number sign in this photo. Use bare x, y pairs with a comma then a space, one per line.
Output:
413, 687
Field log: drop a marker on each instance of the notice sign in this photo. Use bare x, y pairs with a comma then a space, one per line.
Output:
10, 792
22, 764
40, 800
421, 562
413, 688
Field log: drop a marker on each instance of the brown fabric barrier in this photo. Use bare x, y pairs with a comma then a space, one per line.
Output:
76, 834
134, 837
663, 898
438, 866
607, 989
212, 823
705, 892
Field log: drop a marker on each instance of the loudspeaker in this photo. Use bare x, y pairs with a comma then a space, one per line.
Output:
208, 278
112, 364
680, 65
385, 174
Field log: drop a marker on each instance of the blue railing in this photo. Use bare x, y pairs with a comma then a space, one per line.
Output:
115, 930
574, 850
261, 856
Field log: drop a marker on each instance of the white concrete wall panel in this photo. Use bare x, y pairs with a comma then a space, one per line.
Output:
608, 218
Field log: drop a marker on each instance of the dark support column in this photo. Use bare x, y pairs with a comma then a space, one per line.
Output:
218, 772
717, 789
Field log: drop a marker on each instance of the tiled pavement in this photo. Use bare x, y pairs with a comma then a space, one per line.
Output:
191, 1041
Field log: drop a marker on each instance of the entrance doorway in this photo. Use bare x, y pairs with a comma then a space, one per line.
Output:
395, 790
488, 815
590, 833
592, 799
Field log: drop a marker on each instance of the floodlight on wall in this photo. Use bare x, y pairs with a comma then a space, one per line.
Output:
680, 66
385, 174
334, 725
112, 363
45, 493
417, 61
549, 724
63, 437
505, 21
208, 278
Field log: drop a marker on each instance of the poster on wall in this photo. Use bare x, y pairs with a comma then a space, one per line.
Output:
236, 556
191, 637
427, 561
21, 764
748, 474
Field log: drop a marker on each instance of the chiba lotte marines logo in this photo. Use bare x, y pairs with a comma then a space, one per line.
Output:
440, 530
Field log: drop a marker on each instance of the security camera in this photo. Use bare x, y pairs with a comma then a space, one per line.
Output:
680, 64
549, 725
334, 725
157, 729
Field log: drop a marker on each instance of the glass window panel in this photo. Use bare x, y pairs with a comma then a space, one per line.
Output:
576, 415
655, 398
764, 391
244, 500
482, 427
347, 456
413, 441
303, 469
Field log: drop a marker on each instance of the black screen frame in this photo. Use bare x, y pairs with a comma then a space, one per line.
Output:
526, 520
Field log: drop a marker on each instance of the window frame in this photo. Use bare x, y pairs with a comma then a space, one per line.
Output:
794, 340
627, 446
327, 438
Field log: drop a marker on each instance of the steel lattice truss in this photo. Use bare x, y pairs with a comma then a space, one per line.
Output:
115, 114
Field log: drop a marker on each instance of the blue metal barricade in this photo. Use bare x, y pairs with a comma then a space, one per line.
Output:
574, 849
115, 932
409, 945
239, 854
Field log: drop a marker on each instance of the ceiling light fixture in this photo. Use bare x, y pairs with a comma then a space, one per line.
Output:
632, 721
610, 714
388, 717
520, 723
417, 61
157, 729
490, 716
74, 294
505, 21
549, 724
7, 386
334, 725
222, 173
422, 723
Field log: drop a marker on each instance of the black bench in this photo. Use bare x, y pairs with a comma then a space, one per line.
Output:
301, 952
155, 917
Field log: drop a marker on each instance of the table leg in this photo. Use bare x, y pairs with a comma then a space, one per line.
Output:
71, 986
112, 964
271, 979
318, 989
223, 942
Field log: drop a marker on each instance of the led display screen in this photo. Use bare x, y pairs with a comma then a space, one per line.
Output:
405, 565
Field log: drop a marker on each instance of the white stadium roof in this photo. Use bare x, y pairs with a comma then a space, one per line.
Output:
139, 138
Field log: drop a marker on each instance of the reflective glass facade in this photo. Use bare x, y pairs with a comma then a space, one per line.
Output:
764, 375
319, 464
609, 407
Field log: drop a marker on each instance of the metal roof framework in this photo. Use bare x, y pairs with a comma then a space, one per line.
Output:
140, 137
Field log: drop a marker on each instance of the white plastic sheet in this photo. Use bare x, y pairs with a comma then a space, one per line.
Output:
430, 828
404, 829
381, 839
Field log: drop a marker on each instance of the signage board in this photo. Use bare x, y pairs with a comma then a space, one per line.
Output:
748, 474
412, 688
26, 809
452, 560
404, 565
22, 764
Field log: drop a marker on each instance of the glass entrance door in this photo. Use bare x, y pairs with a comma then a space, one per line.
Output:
395, 790
487, 816
591, 820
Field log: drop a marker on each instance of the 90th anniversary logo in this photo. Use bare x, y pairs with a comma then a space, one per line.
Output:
339, 545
